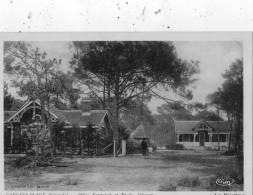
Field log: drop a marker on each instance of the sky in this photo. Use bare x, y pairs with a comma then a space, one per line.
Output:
214, 56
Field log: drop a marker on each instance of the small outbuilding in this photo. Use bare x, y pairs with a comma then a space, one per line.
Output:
135, 139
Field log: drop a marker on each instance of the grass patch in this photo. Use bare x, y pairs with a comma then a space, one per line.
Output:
189, 181
167, 187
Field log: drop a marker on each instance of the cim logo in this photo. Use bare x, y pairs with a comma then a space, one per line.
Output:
223, 182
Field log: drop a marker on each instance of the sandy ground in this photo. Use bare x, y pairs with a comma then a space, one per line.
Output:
130, 173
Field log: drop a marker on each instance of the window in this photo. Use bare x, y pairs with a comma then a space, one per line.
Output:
185, 137
191, 137
222, 138
197, 138
206, 137
215, 138
180, 137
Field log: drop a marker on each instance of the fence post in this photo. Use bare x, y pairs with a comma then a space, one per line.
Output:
123, 146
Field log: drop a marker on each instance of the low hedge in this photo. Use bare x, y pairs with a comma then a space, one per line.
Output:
175, 147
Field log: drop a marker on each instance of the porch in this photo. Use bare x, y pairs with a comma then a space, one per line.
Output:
203, 139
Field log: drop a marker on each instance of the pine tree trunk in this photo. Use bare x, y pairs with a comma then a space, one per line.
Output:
230, 130
116, 118
115, 126
80, 141
50, 129
43, 123
238, 132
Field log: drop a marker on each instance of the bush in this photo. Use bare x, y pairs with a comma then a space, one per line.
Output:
69, 181
195, 181
189, 181
153, 144
167, 187
24, 172
30, 152
29, 161
240, 156
22, 161
230, 153
175, 147
17, 173
237, 176
208, 148
154, 148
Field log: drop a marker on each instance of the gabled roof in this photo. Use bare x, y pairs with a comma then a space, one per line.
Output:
222, 125
75, 117
139, 133
58, 113
54, 111
189, 126
72, 116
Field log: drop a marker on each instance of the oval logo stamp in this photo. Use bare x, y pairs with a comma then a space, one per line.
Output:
225, 182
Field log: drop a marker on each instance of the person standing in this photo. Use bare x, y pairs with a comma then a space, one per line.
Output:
144, 147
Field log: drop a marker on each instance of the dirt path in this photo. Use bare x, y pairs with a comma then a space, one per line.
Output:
131, 173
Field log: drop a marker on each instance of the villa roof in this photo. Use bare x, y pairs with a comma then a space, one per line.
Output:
190, 126
57, 112
72, 116
75, 117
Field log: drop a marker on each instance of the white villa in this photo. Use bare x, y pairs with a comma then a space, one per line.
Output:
202, 133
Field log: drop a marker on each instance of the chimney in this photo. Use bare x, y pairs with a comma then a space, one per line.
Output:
86, 107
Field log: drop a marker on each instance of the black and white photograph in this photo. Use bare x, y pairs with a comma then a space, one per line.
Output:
117, 114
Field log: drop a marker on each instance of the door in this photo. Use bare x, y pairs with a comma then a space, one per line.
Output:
201, 139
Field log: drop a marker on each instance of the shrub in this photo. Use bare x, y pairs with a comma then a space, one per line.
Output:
26, 173
230, 153
17, 173
29, 161
240, 156
22, 161
167, 187
195, 181
185, 181
69, 181
153, 144
237, 176
189, 181
175, 147
208, 148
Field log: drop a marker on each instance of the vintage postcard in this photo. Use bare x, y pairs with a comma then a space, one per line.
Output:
126, 113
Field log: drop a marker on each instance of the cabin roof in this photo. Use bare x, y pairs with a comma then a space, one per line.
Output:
139, 133
75, 117
189, 126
